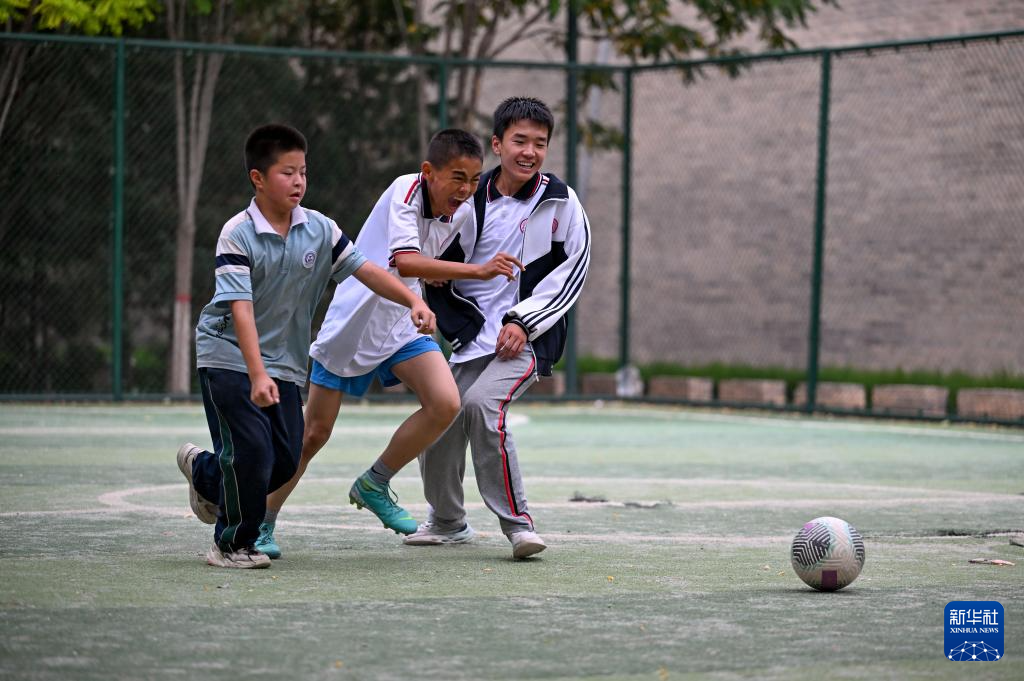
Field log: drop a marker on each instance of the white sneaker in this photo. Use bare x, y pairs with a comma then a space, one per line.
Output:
427, 534
242, 558
526, 543
205, 510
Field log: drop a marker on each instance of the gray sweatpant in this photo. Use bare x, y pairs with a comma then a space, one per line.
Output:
488, 386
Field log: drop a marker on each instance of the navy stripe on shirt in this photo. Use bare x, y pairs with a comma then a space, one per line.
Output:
342, 244
233, 259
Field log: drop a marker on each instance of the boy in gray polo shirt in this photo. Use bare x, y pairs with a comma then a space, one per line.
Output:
274, 261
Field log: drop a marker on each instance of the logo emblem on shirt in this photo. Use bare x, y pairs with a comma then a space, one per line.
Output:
554, 225
308, 259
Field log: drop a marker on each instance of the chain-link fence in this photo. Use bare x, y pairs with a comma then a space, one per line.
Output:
718, 193
723, 214
924, 250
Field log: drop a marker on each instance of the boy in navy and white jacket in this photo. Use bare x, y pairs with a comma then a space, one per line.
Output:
504, 333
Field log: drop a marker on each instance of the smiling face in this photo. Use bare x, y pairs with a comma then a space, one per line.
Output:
522, 149
283, 185
450, 186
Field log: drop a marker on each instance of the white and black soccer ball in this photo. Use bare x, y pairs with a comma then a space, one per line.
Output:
827, 553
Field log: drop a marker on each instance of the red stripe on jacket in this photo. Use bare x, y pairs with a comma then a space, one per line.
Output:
501, 442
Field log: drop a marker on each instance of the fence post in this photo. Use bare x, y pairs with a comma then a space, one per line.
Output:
627, 187
117, 236
571, 45
814, 333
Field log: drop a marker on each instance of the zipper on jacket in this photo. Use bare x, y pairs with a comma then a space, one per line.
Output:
467, 301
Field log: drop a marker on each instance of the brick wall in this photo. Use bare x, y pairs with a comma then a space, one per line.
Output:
923, 262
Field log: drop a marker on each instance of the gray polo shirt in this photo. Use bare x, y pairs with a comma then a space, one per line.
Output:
283, 277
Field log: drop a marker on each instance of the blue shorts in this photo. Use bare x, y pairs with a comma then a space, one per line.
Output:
358, 385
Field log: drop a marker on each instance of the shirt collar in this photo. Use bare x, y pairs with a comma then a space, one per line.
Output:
528, 189
428, 212
263, 225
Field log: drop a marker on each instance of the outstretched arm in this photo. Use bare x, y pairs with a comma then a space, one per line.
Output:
384, 285
422, 267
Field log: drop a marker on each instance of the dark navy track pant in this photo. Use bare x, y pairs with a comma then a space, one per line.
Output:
255, 451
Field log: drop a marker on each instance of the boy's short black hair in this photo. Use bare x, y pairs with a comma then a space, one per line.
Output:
267, 142
450, 144
515, 109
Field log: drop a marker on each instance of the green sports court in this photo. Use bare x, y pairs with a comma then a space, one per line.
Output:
804, 300
668, 531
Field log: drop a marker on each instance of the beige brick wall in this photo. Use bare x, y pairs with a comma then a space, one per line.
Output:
923, 262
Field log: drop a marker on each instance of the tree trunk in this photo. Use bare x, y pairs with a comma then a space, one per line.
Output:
422, 123
193, 115
10, 78
416, 48
181, 329
13, 60
470, 14
592, 97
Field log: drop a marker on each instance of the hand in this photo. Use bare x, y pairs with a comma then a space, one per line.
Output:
511, 341
264, 391
502, 264
423, 318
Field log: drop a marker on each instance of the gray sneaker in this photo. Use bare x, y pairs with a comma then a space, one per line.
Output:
204, 509
526, 543
247, 558
428, 534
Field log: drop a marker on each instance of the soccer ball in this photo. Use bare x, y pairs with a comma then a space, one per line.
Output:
828, 553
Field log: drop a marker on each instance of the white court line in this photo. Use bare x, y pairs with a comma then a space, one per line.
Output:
763, 483
160, 431
340, 428
553, 537
610, 538
518, 418
122, 506
117, 501
784, 420
797, 421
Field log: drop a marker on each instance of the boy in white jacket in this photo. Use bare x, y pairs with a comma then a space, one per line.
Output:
503, 332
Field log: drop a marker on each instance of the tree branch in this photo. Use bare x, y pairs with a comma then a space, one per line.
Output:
517, 36
14, 66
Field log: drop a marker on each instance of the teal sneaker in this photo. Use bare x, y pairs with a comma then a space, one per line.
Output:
265, 542
378, 498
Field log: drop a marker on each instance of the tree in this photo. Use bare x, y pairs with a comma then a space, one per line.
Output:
193, 111
55, 223
47, 344
327, 98
369, 26
91, 17
639, 30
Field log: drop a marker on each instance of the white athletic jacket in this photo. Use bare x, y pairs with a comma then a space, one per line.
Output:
556, 252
